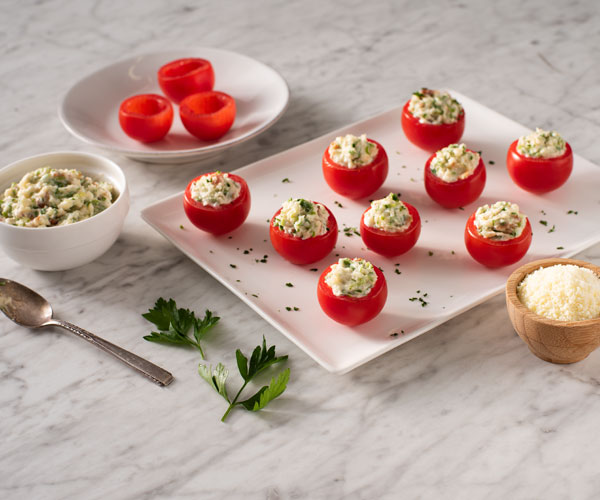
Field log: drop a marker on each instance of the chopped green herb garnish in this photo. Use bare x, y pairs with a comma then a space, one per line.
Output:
430, 253
491, 162
285, 180
572, 212
544, 222
290, 285
233, 266
314, 269
560, 248
551, 230
181, 226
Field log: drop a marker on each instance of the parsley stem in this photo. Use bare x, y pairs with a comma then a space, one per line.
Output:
234, 402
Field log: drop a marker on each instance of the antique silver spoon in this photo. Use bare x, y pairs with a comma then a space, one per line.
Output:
27, 308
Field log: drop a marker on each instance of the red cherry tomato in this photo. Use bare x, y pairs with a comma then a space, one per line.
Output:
539, 175
222, 219
207, 115
494, 253
146, 117
428, 136
455, 194
352, 311
183, 77
391, 244
299, 251
357, 182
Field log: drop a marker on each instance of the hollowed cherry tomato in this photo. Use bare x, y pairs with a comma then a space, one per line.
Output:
207, 115
146, 117
183, 77
299, 251
357, 182
495, 253
428, 136
221, 219
455, 194
539, 175
352, 311
391, 244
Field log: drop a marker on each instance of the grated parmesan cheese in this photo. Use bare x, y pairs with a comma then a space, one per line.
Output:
562, 292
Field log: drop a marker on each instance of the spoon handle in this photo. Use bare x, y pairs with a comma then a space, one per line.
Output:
150, 370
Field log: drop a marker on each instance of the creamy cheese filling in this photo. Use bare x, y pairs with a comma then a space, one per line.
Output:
351, 277
302, 218
454, 162
562, 292
215, 189
542, 144
388, 214
352, 151
54, 197
500, 221
434, 107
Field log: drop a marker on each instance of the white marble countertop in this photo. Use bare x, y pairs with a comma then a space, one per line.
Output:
464, 411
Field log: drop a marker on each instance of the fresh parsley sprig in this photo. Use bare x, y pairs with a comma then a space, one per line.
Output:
261, 359
174, 324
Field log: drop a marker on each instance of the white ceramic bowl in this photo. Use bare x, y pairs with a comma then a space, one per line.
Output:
65, 247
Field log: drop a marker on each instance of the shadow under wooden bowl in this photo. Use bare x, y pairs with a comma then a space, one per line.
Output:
551, 340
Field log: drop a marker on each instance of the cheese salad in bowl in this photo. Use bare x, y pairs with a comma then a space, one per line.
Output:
61, 210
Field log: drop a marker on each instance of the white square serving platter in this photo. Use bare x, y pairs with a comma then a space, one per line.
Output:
438, 270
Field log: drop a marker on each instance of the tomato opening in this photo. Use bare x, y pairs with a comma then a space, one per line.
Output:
143, 105
205, 104
182, 67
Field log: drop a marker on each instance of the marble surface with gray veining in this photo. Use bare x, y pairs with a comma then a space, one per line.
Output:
464, 411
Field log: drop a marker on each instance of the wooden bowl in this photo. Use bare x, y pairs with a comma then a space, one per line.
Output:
551, 340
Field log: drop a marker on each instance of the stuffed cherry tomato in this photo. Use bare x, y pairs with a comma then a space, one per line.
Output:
217, 203
540, 162
355, 167
303, 231
146, 117
432, 119
454, 176
207, 115
352, 291
390, 227
498, 235
183, 77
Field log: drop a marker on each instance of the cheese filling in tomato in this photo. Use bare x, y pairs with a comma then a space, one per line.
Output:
54, 197
215, 189
352, 151
434, 107
454, 162
388, 214
542, 144
302, 218
500, 221
351, 277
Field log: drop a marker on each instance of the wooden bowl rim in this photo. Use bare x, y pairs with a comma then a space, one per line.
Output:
519, 274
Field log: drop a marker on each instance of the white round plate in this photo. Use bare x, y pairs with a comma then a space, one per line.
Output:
90, 108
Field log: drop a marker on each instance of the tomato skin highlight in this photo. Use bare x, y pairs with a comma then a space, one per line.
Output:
146, 117
355, 183
428, 136
183, 77
391, 244
299, 251
218, 220
539, 175
208, 115
455, 194
352, 311
492, 253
